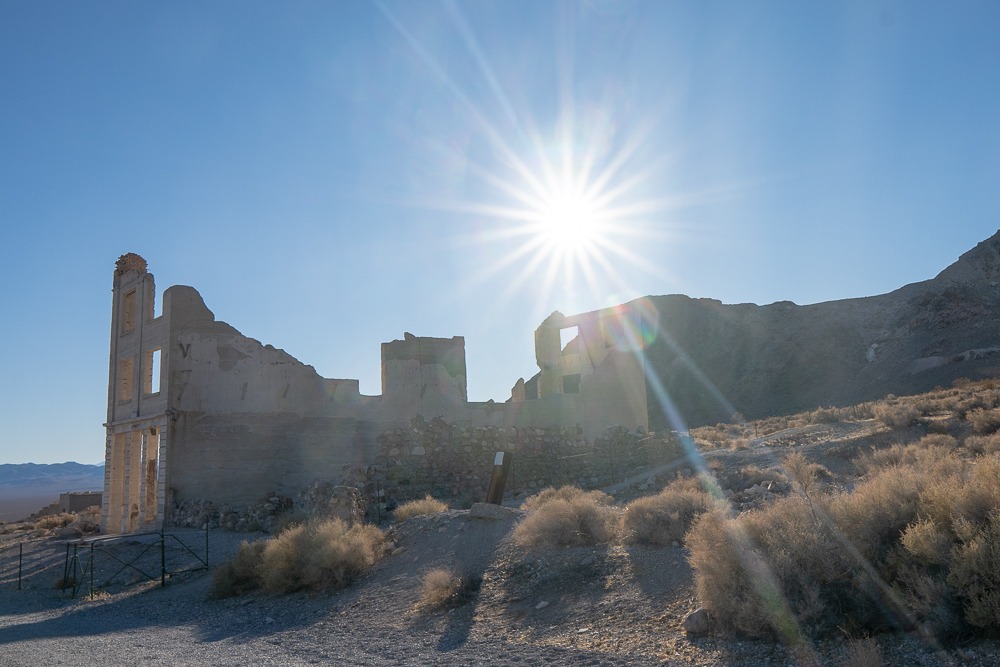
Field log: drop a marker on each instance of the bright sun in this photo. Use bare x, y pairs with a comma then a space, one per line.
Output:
569, 223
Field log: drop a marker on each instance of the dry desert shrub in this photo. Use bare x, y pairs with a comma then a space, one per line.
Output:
89, 520
896, 415
412, 508
863, 653
317, 555
984, 421
827, 415
917, 541
568, 492
974, 571
438, 587
241, 574
324, 554
54, 521
983, 444
566, 517
764, 573
663, 519
969, 494
441, 587
874, 515
929, 448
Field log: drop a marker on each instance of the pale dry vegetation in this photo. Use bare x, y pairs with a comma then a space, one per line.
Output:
316, 555
983, 444
442, 588
916, 542
896, 415
55, 521
420, 507
983, 420
85, 522
567, 516
663, 519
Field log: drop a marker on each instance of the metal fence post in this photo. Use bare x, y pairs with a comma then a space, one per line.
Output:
163, 560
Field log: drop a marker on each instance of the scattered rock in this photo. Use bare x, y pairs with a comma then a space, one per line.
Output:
542, 605
490, 511
697, 623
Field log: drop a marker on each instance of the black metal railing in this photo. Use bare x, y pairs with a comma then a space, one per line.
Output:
143, 555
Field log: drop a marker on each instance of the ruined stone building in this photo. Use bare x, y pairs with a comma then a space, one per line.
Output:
196, 410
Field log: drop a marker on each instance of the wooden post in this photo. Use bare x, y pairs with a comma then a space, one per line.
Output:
498, 480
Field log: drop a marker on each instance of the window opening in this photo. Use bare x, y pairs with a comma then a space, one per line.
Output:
566, 337
151, 381
571, 384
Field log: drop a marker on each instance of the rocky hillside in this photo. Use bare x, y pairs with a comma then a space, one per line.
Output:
715, 360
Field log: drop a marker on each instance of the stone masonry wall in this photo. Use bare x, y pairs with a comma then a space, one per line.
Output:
454, 463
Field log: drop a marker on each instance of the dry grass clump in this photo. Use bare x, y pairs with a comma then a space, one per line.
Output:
664, 518
441, 588
917, 541
567, 516
317, 555
412, 508
896, 415
53, 521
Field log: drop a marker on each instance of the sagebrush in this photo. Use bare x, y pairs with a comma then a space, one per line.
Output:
317, 555
663, 519
567, 516
917, 541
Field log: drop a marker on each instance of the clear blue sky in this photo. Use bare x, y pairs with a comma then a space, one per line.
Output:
331, 174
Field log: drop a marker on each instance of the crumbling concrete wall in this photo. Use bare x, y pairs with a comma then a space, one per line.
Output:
596, 380
423, 376
226, 420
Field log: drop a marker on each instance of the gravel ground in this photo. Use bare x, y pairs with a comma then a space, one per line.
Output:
608, 605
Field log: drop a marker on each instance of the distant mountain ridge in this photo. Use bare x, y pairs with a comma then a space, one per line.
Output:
51, 474
26, 488
714, 360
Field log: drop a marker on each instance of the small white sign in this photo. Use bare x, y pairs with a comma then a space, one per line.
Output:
498, 461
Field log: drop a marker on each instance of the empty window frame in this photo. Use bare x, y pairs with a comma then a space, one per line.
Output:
566, 338
151, 369
571, 384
